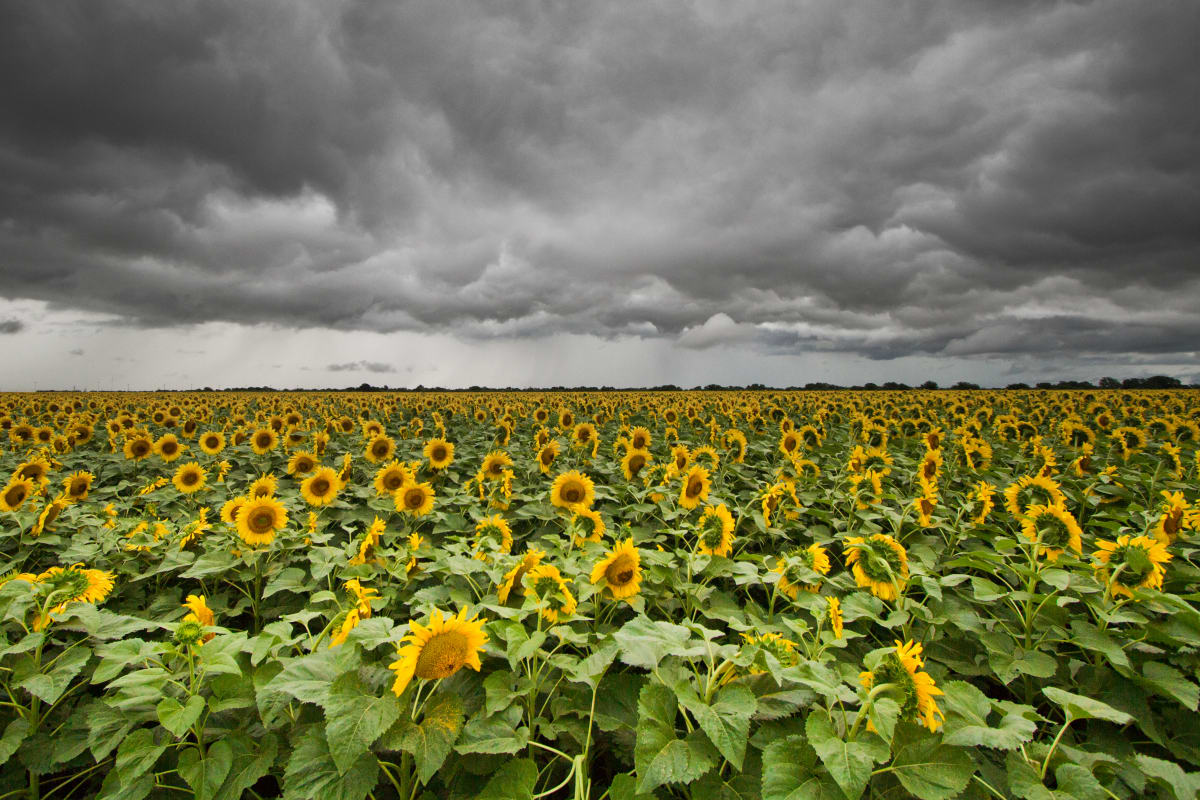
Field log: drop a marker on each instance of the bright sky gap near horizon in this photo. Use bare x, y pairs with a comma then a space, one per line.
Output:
619, 193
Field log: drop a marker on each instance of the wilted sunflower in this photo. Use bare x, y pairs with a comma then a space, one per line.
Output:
439, 650
212, 442
390, 477
1132, 562
301, 463
879, 563
190, 478
572, 490
694, 490
546, 456
379, 448
1053, 528
264, 440
78, 485
621, 570
15, 493
797, 566
414, 498
555, 600
259, 520
714, 531
321, 488
439, 452
912, 688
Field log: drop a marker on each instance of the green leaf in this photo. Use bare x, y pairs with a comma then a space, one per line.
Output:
433, 739
205, 775
492, 735
311, 772
178, 718
1170, 682
1089, 637
967, 725
726, 722
1023, 779
645, 642
513, 781
14, 733
928, 768
117, 788
1078, 783
658, 755
137, 753
51, 685
252, 759
789, 773
308, 678
849, 763
1183, 785
1077, 706
355, 717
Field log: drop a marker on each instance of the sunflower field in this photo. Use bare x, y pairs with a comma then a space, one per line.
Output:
600, 595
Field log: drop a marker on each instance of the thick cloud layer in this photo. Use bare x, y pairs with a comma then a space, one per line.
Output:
954, 179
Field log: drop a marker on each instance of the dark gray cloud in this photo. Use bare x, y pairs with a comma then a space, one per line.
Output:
10, 326
946, 179
361, 366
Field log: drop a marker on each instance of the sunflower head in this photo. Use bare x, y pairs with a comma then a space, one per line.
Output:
259, 519
321, 488
900, 669
572, 490
13, 495
1054, 529
621, 571
696, 484
714, 531
414, 498
438, 650
190, 478
554, 597
1132, 562
439, 452
879, 563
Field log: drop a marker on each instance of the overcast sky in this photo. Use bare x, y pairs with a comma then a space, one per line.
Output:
624, 193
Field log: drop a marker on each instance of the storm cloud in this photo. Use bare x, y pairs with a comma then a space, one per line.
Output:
961, 179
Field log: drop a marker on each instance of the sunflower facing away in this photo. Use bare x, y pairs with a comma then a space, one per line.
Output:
259, 520
621, 571
554, 597
879, 563
1054, 529
911, 687
796, 569
715, 531
1132, 562
588, 525
494, 530
73, 584
572, 490
438, 650
514, 577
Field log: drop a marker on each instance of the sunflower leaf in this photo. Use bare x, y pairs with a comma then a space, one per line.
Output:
432, 740
355, 718
659, 756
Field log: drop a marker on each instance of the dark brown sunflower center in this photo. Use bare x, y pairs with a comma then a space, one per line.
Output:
262, 521
212, 442
15, 495
620, 572
439, 453
547, 456
393, 480
190, 478
319, 487
379, 448
414, 498
695, 486
573, 493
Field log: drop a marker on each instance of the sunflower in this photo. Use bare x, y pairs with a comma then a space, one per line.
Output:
835, 616
925, 505
715, 531
1131, 439
439, 452
1173, 519
259, 520
789, 443
35, 469
78, 485
1132, 562
621, 570
264, 440
554, 597
797, 568
15, 493
349, 622
572, 490
212, 442
931, 465
1030, 490
1053, 528
301, 463
735, 444
869, 494
911, 687
74, 584
546, 456
379, 448
982, 502
495, 463
321, 488
439, 650
390, 477
783, 649
634, 461
363, 595
263, 486
584, 434
594, 521
190, 478
879, 563
681, 456
694, 490
639, 438
514, 577
414, 498
168, 447
50, 514
496, 530
200, 613
231, 509
138, 447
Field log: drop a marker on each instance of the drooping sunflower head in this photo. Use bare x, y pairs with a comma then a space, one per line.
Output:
1132, 562
621, 570
879, 563
414, 498
321, 488
1054, 529
15, 493
836, 623
438, 650
573, 490
714, 531
190, 478
260, 519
